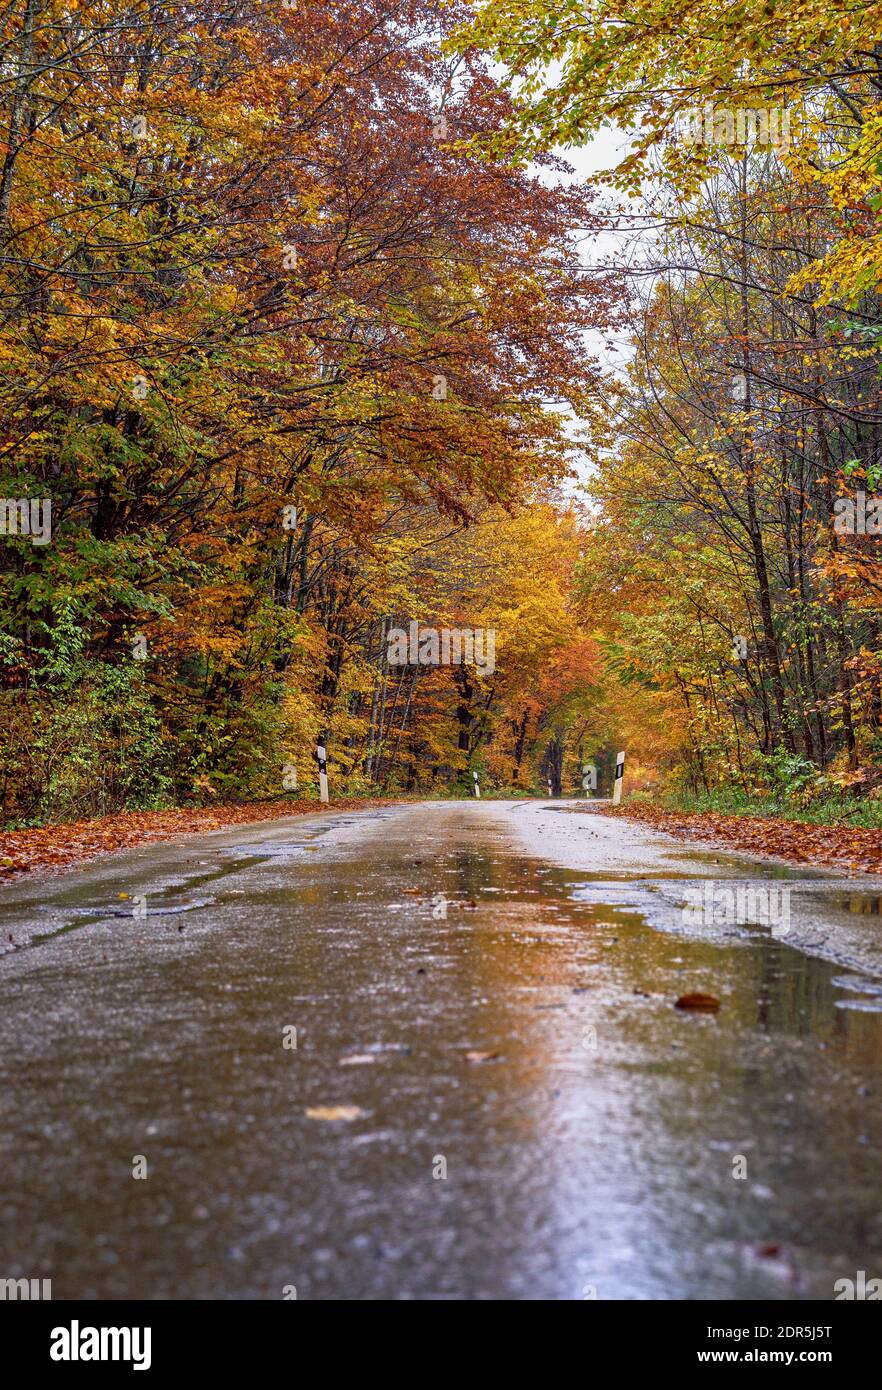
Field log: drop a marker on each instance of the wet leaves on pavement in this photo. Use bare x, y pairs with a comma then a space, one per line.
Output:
859, 850
702, 1003
334, 1113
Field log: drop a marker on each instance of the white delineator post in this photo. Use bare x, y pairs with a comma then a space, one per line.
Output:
477, 787
322, 757
620, 776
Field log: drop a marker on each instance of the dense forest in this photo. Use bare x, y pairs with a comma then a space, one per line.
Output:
734, 562
304, 371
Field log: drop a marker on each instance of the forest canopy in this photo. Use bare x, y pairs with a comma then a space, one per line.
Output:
734, 558
288, 362
303, 351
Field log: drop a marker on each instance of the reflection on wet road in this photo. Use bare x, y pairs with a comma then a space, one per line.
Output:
463, 1004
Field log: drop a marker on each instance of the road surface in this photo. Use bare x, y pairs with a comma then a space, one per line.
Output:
489, 1093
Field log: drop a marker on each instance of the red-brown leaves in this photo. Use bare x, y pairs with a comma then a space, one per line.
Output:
57, 846
856, 849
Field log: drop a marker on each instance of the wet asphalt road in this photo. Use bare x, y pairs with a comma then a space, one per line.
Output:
590, 1143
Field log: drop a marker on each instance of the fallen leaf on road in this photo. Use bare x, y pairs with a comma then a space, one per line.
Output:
707, 1003
334, 1112
483, 1056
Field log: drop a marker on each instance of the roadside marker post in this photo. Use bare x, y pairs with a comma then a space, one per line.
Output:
620, 777
322, 757
477, 787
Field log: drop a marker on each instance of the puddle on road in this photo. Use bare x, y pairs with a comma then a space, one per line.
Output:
866, 904
859, 983
68, 906
590, 1130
